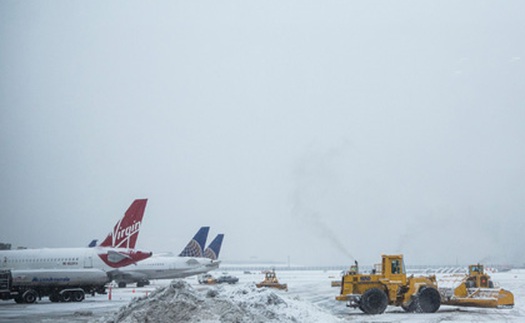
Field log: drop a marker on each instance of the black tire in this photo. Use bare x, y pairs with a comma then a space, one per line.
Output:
30, 296
78, 296
19, 300
491, 284
121, 285
373, 301
66, 297
428, 300
140, 284
411, 308
54, 298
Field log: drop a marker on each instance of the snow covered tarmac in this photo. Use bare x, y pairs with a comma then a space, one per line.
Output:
305, 288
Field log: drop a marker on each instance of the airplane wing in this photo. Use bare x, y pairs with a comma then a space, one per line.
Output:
116, 257
127, 276
192, 262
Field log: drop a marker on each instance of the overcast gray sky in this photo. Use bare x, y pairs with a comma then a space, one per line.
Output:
315, 131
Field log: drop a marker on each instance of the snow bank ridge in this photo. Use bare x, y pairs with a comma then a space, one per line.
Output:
180, 302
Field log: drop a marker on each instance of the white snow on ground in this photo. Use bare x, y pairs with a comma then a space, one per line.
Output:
179, 302
310, 298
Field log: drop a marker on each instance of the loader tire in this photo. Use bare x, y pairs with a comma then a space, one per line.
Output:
428, 300
411, 308
373, 301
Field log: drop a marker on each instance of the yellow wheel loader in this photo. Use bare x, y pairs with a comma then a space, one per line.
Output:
337, 283
371, 293
475, 289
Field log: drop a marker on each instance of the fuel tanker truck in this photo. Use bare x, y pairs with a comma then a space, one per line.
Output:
60, 285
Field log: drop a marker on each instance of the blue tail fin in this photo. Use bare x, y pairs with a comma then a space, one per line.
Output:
93, 243
195, 247
214, 248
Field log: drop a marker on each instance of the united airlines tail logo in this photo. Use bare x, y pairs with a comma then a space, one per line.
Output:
208, 253
193, 249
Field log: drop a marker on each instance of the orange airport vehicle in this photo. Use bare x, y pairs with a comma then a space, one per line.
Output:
270, 280
475, 289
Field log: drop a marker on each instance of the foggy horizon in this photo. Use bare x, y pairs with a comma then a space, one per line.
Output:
312, 132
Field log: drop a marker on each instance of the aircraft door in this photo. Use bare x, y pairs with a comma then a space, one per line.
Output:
88, 260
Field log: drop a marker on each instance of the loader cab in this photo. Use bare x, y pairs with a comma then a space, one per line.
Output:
478, 278
393, 267
475, 269
270, 275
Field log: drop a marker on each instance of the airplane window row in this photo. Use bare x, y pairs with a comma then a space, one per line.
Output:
42, 260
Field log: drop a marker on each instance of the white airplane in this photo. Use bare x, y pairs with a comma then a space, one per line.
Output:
116, 251
193, 260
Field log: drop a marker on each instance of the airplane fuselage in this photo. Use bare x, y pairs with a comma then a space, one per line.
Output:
102, 258
164, 267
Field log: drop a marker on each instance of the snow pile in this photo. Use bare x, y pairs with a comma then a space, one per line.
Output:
179, 302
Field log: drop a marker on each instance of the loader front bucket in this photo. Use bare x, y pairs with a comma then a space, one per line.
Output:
483, 297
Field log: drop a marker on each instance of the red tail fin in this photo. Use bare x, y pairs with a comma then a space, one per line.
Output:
126, 231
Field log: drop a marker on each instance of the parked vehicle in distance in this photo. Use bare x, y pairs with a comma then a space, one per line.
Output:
207, 279
229, 279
